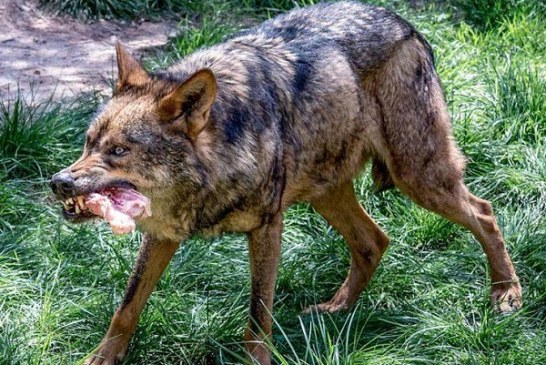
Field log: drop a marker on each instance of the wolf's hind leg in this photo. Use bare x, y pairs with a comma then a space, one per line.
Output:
456, 203
366, 241
425, 163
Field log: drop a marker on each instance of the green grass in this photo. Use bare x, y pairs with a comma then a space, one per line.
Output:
490, 14
109, 9
137, 9
427, 303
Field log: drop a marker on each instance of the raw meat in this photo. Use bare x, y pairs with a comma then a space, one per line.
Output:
119, 207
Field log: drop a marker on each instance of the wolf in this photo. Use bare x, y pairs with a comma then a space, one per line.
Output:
226, 139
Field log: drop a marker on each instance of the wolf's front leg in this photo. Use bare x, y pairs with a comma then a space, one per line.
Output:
153, 257
264, 253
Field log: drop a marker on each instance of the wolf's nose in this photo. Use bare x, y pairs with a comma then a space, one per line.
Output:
62, 184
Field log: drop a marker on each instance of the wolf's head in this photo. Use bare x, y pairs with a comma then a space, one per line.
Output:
144, 139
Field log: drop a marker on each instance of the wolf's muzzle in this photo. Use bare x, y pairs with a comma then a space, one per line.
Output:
63, 184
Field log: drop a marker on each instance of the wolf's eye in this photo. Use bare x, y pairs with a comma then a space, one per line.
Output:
117, 151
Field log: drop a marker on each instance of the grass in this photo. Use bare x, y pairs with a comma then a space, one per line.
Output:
136, 9
427, 303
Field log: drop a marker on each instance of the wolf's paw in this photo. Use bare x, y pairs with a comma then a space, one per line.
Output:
110, 352
507, 300
327, 307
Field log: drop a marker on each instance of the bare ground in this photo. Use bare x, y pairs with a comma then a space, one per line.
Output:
46, 56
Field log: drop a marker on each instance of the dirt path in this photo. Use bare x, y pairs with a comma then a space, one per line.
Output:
46, 55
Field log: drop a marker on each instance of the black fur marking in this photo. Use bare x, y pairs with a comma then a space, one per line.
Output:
304, 70
419, 71
234, 127
428, 47
218, 217
108, 162
255, 306
213, 211
136, 276
288, 33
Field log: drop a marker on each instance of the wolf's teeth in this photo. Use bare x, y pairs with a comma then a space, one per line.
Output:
77, 209
81, 202
65, 206
70, 201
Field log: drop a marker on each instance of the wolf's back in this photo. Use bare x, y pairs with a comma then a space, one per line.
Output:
368, 35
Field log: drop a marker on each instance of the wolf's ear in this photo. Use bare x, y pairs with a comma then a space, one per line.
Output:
187, 107
130, 72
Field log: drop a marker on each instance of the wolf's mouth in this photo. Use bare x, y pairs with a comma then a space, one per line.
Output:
119, 206
75, 208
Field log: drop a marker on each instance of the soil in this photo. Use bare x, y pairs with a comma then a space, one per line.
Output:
47, 56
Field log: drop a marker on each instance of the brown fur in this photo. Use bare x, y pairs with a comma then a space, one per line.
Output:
231, 136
